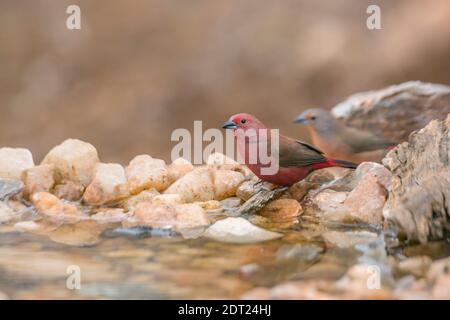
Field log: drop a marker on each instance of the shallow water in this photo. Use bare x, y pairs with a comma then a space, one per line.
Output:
145, 264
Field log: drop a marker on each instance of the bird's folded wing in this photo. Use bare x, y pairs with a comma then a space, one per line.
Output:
296, 153
362, 141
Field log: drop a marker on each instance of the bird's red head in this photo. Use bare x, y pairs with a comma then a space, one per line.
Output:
243, 121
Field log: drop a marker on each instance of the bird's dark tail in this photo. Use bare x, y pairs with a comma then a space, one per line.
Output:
342, 163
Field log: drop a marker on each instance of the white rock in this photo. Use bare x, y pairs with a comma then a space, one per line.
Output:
196, 185
331, 205
232, 202
38, 178
109, 184
209, 205
74, 160
13, 161
27, 226
205, 183
365, 203
167, 199
190, 215
226, 183
238, 230
145, 172
178, 168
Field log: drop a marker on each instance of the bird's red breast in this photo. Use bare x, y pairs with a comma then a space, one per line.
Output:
290, 160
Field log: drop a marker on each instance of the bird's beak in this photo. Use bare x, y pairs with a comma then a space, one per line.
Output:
229, 125
300, 119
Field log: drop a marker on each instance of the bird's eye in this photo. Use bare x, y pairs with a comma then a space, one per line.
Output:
313, 117
244, 121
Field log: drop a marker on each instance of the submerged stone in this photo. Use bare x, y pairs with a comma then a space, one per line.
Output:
239, 230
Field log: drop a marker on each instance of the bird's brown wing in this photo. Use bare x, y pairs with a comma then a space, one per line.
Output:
295, 153
362, 141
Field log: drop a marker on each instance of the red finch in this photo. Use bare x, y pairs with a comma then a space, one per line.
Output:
340, 141
293, 159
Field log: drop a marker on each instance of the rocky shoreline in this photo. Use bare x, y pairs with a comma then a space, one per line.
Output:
405, 199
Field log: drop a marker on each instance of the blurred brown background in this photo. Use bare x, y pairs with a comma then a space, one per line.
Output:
139, 69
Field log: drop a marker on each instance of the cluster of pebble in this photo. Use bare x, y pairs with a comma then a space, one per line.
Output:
72, 185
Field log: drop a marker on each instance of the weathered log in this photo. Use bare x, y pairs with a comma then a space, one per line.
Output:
396, 111
259, 200
419, 198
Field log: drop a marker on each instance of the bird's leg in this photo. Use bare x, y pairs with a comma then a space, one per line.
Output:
259, 185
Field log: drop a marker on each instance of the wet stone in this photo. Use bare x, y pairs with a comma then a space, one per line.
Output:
348, 239
109, 185
53, 208
232, 202
130, 203
177, 217
139, 232
282, 209
238, 230
69, 190
9, 188
145, 172
6, 213
109, 215
416, 266
178, 168
38, 178
299, 252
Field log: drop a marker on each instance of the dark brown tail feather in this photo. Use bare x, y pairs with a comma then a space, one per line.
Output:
344, 164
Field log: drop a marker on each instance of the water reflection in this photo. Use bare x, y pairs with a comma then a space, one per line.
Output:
143, 264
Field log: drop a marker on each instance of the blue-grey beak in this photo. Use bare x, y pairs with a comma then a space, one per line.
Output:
300, 119
229, 125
